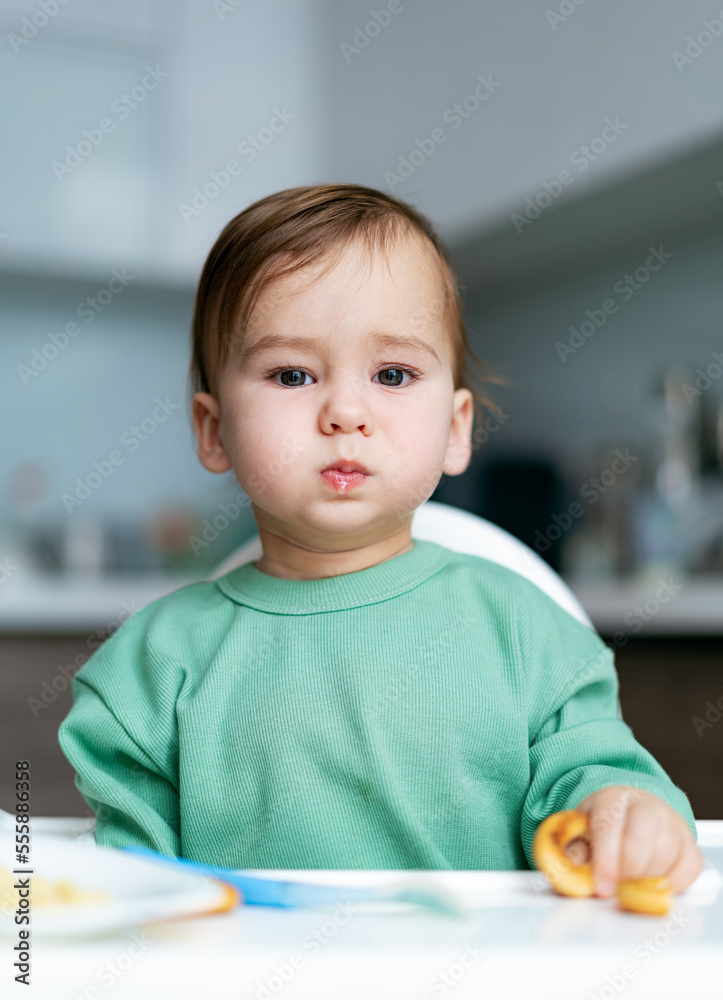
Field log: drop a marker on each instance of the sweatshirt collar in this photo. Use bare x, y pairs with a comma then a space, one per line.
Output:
249, 586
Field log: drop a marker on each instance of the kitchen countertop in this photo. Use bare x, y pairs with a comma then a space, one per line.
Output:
76, 605
666, 604
37, 604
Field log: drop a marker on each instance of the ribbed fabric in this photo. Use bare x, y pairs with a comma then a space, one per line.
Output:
426, 712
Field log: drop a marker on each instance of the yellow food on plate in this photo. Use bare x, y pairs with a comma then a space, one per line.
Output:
554, 834
43, 892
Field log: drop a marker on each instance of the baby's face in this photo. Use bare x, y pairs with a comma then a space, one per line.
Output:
350, 393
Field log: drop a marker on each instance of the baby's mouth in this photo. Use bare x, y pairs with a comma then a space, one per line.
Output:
342, 481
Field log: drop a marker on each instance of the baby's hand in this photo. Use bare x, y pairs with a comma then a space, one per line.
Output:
635, 834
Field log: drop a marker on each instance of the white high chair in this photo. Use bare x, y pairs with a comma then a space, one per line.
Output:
463, 532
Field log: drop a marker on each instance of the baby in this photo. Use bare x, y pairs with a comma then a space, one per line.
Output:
356, 698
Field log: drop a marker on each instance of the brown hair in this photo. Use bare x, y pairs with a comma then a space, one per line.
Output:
300, 226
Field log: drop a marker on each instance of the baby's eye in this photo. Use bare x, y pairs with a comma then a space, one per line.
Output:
392, 377
295, 380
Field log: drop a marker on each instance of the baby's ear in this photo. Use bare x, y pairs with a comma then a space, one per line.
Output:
459, 446
206, 424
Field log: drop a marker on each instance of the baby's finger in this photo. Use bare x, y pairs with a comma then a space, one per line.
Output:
687, 868
606, 835
639, 838
667, 847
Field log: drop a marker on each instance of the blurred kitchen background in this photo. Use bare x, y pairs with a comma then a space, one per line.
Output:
581, 199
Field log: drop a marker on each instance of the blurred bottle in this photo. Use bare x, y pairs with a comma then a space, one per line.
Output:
710, 435
675, 515
678, 447
601, 545
707, 555
30, 540
83, 548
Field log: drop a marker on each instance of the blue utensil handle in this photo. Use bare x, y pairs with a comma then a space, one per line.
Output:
255, 891
273, 892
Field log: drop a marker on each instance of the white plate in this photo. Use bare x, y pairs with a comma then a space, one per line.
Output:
141, 890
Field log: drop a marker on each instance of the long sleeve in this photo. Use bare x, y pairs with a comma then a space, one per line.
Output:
582, 746
121, 738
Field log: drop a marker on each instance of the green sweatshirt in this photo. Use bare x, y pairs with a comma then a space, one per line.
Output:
426, 712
